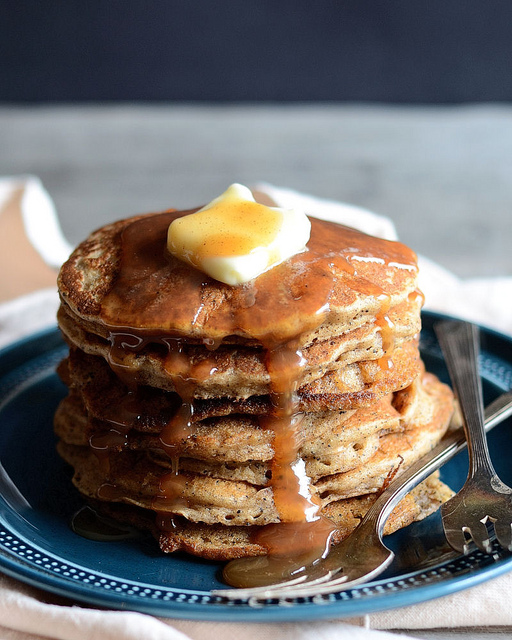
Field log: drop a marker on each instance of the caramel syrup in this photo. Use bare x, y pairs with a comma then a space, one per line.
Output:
185, 376
121, 419
170, 497
86, 522
104, 442
157, 296
386, 327
170, 492
417, 295
165, 302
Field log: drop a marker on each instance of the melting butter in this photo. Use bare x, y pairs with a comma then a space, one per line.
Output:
235, 239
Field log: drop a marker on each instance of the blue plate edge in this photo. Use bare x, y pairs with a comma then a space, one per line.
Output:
245, 613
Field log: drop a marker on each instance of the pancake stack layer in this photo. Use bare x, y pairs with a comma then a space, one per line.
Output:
223, 418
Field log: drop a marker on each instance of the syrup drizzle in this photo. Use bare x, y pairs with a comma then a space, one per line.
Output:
303, 534
185, 376
289, 482
158, 295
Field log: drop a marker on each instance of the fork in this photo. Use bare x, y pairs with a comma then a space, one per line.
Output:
362, 555
484, 499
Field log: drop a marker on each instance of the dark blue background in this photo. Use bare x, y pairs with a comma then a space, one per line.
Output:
405, 51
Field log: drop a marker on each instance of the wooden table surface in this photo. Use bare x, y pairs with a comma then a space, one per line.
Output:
443, 174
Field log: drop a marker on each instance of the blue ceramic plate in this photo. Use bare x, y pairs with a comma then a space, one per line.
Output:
37, 501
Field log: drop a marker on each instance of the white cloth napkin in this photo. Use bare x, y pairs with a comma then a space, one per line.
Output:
29, 614
30, 313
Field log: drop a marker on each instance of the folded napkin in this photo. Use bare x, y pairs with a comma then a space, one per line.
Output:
31, 249
31, 234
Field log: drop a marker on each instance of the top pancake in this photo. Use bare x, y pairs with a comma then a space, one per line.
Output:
123, 278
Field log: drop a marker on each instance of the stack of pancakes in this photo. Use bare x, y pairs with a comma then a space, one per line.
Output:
191, 403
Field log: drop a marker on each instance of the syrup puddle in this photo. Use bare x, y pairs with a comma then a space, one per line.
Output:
86, 522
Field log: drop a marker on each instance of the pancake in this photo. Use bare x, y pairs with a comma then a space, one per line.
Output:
221, 543
331, 442
105, 283
215, 493
354, 386
208, 413
149, 410
203, 499
348, 363
231, 441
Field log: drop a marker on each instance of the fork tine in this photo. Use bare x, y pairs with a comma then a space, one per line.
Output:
284, 586
480, 536
457, 539
311, 589
260, 593
503, 531
286, 591
318, 587
460, 538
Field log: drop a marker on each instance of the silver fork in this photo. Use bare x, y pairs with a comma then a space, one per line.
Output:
484, 499
362, 555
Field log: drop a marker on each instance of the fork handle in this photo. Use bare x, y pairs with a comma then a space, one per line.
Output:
460, 344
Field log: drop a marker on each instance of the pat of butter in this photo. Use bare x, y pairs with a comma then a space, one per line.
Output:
235, 239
